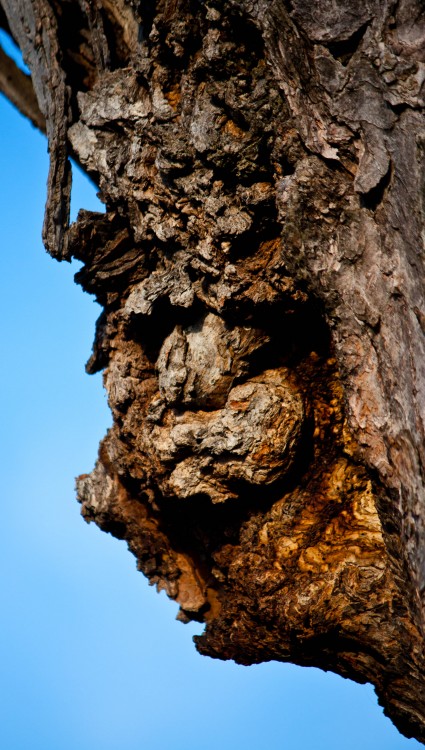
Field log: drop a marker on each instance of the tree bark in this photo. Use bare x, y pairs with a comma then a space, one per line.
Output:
261, 270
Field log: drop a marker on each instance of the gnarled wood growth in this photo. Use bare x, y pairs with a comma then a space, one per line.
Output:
261, 271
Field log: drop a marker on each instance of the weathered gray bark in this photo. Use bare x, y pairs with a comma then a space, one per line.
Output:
261, 269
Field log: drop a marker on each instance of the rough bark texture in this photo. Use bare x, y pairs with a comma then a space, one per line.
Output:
261, 269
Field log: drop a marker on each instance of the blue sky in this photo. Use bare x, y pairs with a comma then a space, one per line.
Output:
91, 656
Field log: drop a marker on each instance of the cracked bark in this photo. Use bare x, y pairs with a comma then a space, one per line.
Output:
260, 267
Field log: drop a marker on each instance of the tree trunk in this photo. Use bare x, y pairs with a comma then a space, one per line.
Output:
260, 267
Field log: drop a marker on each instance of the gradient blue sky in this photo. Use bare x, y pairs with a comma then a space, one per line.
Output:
91, 656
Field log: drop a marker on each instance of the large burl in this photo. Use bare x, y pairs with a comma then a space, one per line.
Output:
230, 471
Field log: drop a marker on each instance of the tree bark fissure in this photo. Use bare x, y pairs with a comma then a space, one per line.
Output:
260, 268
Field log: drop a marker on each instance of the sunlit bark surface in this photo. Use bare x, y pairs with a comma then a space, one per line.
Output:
261, 270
